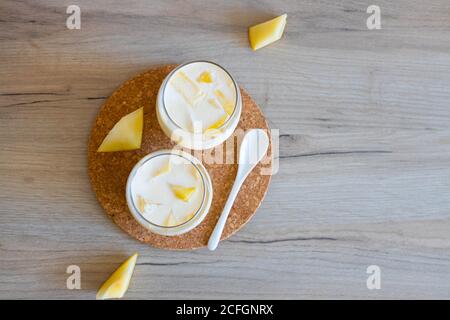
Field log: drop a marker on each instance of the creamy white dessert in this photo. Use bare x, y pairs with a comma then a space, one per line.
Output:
200, 96
169, 192
199, 105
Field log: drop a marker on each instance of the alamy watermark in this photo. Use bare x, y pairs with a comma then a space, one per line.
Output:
74, 20
74, 280
228, 151
374, 279
373, 22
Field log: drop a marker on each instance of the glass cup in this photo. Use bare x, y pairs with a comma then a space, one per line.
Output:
185, 226
198, 139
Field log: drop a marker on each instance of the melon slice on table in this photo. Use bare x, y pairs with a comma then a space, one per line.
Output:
126, 133
117, 284
267, 32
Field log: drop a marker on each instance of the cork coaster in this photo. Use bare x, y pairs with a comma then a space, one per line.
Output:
109, 171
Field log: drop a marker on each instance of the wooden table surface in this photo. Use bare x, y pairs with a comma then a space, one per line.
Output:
364, 160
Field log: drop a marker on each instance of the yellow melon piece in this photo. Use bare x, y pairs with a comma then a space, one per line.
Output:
187, 88
267, 32
171, 220
190, 216
214, 103
216, 125
183, 193
117, 284
141, 203
226, 104
126, 133
194, 172
164, 169
205, 77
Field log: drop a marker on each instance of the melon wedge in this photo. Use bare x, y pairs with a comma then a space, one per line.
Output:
117, 284
183, 193
141, 203
164, 169
187, 88
216, 125
267, 32
126, 133
205, 77
171, 220
226, 104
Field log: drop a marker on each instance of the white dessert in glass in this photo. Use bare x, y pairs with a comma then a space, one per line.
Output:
169, 192
199, 105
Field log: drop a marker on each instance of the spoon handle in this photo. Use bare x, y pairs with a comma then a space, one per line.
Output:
217, 232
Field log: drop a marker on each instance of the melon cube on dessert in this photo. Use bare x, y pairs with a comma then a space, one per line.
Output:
183, 193
214, 103
126, 133
205, 77
164, 169
190, 216
226, 104
194, 172
117, 284
216, 125
141, 203
267, 32
187, 88
171, 220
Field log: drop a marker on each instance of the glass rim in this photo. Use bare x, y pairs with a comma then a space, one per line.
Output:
166, 81
169, 153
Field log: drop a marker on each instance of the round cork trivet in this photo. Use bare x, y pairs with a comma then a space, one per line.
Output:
109, 171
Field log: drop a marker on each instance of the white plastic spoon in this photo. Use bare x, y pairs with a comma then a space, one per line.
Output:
253, 148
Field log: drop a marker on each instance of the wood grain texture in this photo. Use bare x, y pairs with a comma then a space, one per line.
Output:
364, 155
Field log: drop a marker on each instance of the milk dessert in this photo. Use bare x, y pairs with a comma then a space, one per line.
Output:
169, 192
199, 105
200, 94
